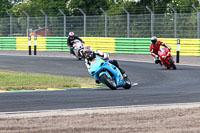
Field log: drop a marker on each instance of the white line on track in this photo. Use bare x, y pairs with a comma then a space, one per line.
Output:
110, 109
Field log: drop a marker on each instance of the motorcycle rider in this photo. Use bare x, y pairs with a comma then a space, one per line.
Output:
154, 48
70, 41
91, 55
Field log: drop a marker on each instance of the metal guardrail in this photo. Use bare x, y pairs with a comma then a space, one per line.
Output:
188, 47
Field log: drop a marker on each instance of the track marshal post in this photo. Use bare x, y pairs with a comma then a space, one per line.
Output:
178, 51
35, 45
29, 44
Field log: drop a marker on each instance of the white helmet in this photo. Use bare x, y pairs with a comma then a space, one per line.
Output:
153, 40
71, 34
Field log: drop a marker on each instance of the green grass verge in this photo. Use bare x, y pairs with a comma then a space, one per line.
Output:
29, 81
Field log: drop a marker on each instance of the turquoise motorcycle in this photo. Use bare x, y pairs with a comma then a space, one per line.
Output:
108, 74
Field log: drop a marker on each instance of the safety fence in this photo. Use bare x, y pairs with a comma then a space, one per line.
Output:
188, 47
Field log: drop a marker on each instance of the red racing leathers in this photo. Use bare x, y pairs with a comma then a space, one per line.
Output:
154, 48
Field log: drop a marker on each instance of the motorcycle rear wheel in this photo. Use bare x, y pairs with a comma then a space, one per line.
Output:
109, 82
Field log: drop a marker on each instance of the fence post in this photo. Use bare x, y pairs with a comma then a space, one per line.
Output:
152, 20
28, 22
128, 22
84, 21
10, 22
64, 21
45, 22
178, 50
175, 21
198, 27
29, 44
106, 22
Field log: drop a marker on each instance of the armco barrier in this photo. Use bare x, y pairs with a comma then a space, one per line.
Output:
56, 44
7, 43
41, 43
100, 43
132, 45
21, 43
188, 47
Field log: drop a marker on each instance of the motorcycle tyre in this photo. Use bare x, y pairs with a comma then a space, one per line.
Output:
109, 82
128, 84
172, 64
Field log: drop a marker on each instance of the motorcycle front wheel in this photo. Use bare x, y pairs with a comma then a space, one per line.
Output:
109, 82
172, 64
128, 83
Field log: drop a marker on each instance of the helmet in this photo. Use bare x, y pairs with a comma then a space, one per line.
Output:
87, 51
71, 34
154, 40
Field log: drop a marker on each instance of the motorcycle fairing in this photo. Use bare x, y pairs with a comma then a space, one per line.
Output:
99, 67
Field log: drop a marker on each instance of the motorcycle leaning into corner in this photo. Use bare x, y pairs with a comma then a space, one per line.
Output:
77, 46
166, 58
108, 74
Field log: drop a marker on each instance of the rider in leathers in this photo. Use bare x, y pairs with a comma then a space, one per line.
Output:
70, 41
91, 55
154, 48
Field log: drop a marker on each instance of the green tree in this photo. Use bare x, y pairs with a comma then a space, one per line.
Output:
4, 6
88, 6
116, 9
34, 7
184, 6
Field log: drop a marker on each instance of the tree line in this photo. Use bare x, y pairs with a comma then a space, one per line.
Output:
92, 7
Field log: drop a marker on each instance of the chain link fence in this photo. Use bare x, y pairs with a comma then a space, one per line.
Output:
168, 25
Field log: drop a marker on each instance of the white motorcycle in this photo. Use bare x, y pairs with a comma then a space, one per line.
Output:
77, 46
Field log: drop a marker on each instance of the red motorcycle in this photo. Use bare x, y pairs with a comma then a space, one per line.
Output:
166, 58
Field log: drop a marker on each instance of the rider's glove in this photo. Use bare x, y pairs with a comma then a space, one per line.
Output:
156, 56
106, 56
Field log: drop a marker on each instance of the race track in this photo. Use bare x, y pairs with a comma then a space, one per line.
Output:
156, 85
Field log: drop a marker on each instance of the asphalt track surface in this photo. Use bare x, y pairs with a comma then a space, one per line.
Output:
156, 85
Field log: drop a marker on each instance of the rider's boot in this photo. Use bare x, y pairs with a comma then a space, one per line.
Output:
160, 63
123, 72
71, 51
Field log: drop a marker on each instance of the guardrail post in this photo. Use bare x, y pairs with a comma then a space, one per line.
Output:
178, 50
152, 20
10, 22
84, 21
175, 21
28, 22
29, 44
64, 21
198, 27
128, 22
106, 22
45, 22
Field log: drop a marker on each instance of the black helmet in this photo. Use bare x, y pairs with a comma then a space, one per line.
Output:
154, 40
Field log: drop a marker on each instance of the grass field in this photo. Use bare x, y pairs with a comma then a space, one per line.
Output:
29, 81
